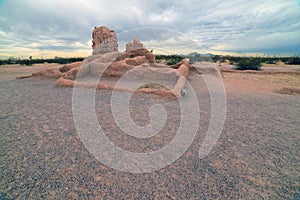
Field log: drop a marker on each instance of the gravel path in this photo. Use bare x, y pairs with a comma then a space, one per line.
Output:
42, 157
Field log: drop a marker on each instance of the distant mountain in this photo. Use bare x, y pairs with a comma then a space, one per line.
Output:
197, 57
196, 54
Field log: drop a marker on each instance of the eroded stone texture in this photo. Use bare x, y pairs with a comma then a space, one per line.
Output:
104, 40
116, 63
136, 44
48, 73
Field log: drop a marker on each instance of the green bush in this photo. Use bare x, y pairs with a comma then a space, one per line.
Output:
248, 64
173, 61
294, 61
170, 59
31, 61
26, 62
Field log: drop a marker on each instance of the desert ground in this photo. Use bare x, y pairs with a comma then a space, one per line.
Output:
256, 157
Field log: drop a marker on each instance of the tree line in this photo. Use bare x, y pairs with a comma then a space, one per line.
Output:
31, 61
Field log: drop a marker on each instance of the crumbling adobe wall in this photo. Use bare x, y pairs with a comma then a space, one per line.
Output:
104, 40
137, 64
136, 44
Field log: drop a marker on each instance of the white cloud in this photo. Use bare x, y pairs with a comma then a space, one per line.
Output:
65, 25
165, 17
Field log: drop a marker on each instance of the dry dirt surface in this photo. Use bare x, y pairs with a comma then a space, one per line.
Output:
261, 83
12, 71
271, 79
256, 157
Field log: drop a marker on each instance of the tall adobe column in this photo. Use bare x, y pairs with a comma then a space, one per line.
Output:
104, 40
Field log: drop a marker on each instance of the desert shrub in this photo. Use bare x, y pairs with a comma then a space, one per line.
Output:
248, 64
154, 86
31, 61
216, 58
172, 62
170, 59
294, 60
26, 62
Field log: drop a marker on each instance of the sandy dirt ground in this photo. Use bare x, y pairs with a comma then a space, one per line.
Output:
12, 71
256, 157
260, 83
272, 78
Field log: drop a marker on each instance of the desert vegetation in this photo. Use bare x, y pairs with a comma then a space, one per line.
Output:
241, 63
293, 60
254, 63
169, 59
30, 61
248, 64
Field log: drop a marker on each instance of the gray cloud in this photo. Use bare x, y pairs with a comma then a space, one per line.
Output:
266, 26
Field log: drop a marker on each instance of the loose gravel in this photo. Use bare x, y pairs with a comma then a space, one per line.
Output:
42, 156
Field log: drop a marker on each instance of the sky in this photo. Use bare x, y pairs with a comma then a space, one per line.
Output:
49, 28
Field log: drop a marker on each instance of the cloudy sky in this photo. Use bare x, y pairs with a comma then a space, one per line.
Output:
48, 28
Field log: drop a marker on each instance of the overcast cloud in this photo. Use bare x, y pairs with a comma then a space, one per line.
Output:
63, 27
